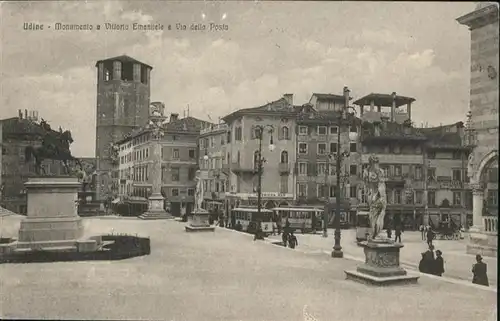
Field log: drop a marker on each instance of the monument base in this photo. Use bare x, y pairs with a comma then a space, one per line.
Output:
381, 265
199, 222
155, 210
484, 243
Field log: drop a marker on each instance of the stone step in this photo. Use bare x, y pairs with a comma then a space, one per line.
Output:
155, 216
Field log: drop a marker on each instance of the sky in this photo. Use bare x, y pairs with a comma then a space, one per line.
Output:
269, 49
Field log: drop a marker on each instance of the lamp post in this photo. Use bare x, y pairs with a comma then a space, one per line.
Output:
340, 156
259, 133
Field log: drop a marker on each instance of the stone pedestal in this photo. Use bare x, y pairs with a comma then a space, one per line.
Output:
381, 265
155, 209
52, 222
481, 242
199, 222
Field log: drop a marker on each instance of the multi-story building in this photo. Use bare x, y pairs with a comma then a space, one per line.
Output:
242, 153
18, 133
123, 95
317, 148
179, 164
213, 144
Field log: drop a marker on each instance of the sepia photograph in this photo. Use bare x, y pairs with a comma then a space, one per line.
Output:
249, 160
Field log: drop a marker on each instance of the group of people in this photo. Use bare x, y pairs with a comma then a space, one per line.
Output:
397, 233
431, 264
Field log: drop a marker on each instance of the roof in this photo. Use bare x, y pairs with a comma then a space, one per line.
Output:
392, 131
384, 100
440, 137
15, 125
279, 106
184, 125
328, 96
123, 58
307, 113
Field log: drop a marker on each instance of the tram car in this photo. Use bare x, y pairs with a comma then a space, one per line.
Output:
303, 219
249, 217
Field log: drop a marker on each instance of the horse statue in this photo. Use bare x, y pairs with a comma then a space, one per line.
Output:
55, 145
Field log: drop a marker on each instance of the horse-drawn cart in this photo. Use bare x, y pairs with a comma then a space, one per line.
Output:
446, 232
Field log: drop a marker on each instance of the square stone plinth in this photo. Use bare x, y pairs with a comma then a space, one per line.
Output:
381, 265
483, 243
199, 222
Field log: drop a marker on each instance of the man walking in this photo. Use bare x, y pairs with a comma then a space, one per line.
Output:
398, 232
479, 271
422, 231
430, 236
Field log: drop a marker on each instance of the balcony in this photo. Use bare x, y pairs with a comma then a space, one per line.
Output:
243, 168
490, 224
284, 168
214, 128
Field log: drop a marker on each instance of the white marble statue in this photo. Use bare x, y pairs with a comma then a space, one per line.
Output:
198, 195
374, 186
470, 165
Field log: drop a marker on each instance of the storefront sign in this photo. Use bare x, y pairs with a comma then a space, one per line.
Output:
264, 195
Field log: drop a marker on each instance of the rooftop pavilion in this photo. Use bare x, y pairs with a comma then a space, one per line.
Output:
377, 101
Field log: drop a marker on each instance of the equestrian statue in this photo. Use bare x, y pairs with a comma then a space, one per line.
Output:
55, 145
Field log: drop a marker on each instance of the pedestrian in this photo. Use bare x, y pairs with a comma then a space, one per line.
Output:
479, 272
292, 241
398, 232
422, 231
238, 226
430, 236
389, 233
284, 238
427, 263
438, 264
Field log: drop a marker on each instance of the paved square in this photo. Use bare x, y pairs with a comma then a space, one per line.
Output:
221, 276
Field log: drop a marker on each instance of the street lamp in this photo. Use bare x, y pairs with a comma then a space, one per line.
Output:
342, 120
259, 133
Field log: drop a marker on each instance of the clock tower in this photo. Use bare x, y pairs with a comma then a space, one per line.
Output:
483, 161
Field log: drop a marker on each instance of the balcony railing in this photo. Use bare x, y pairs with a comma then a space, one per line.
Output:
214, 128
490, 224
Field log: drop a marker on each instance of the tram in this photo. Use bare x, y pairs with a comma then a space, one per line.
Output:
362, 226
303, 219
249, 217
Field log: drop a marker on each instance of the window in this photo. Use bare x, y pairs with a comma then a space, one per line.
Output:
321, 130
320, 190
397, 170
334, 130
333, 191
456, 155
493, 197
228, 138
303, 130
175, 153
192, 174
353, 147
192, 154
321, 168
418, 173
493, 175
175, 173
397, 196
321, 148
468, 200
190, 191
363, 196
285, 133
419, 197
431, 198
457, 198
353, 191
431, 155
353, 169
333, 148
284, 184
302, 189
255, 132
457, 174
175, 192
389, 193
302, 148
237, 133
353, 129
431, 173
284, 157
302, 168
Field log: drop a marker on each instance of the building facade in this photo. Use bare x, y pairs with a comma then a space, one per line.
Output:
483, 24
123, 96
242, 153
213, 155
178, 160
317, 133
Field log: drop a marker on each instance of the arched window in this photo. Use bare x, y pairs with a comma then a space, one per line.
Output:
284, 157
238, 157
256, 159
285, 133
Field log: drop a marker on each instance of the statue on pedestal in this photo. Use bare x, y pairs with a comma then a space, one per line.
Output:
470, 165
198, 195
374, 186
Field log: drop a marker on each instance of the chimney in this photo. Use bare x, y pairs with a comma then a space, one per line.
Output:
393, 108
288, 98
174, 117
20, 113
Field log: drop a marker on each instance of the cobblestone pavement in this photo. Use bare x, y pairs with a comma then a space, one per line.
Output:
222, 275
458, 264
